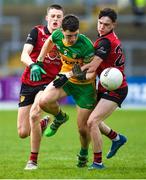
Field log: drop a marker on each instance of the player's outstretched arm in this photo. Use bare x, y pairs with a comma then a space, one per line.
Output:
25, 56
60, 80
47, 47
93, 65
82, 74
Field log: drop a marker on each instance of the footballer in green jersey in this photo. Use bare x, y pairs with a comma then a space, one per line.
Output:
81, 52
74, 49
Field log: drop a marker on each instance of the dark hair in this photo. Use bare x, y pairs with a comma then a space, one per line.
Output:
55, 6
108, 12
70, 22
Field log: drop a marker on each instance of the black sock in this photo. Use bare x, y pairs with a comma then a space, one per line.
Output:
60, 115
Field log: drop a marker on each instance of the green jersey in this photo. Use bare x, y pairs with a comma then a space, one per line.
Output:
81, 52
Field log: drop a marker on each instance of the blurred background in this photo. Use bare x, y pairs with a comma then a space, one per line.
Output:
18, 17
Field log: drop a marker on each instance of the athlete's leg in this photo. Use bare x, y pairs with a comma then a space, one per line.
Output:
48, 102
36, 131
117, 139
82, 117
103, 109
26, 98
23, 124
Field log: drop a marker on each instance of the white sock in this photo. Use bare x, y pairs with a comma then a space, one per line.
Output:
98, 163
117, 138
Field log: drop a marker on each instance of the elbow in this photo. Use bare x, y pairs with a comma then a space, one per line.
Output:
22, 58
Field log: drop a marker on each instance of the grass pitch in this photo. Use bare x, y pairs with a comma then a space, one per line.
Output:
57, 159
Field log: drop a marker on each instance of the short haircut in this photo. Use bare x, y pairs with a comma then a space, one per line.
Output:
109, 13
55, 6
70, 22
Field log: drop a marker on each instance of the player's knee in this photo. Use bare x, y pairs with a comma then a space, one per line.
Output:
43, 103
34, 116
22, 133
93, 121
46, 104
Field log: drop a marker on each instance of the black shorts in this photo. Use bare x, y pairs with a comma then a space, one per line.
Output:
117, 96
28, 93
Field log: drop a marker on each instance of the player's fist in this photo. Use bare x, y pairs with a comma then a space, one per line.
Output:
78, 73
60, 80
36, 72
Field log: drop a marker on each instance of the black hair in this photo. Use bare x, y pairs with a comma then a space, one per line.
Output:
70, 22
108, 12
55, 6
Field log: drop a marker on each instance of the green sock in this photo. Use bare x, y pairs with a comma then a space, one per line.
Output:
84, 152
60, 115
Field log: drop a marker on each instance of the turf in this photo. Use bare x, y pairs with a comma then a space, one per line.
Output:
57, 158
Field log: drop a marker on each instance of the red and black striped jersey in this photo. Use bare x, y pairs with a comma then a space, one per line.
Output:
52, 63
108, 48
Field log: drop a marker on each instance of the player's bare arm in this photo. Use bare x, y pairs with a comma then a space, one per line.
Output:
93, 65
25, 58
47, 47
76, 71
87, 71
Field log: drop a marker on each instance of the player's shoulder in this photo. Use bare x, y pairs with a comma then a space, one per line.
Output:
57, 34
104, 41
112, 36
85, 40
39, 27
